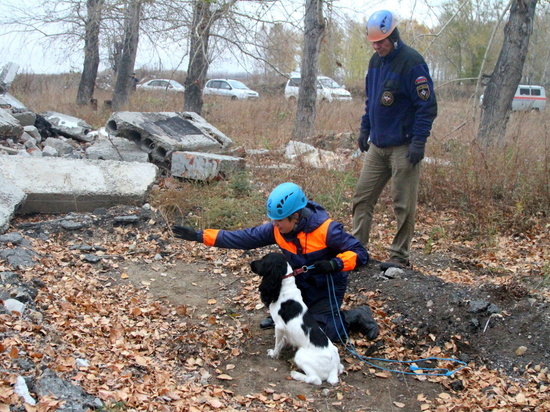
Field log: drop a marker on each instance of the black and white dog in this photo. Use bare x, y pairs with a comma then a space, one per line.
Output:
316, 356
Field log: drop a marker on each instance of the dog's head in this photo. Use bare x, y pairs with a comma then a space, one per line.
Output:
272, 268
272, 264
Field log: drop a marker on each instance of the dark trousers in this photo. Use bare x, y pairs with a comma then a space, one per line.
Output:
323, 295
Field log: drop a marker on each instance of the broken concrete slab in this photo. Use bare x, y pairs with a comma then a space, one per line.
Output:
318, 158
7, 74
204, 166
69, 126
61, 145
11, 199
58, 185
7, 101
25, 118
108, 147
10, 128
160, 134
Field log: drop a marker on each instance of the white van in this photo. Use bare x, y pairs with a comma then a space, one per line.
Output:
327, 89
529, 98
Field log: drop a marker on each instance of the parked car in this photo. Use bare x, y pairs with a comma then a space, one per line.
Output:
162, 85
233, 89
527, 98
327, 89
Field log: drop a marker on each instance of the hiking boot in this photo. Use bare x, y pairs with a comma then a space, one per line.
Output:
267, 323
361, 320
394, 263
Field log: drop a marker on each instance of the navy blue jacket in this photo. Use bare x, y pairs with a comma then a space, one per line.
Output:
401, 104
316, 237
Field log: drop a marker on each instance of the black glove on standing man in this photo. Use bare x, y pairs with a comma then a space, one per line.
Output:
363, 141
186, 233
416, 152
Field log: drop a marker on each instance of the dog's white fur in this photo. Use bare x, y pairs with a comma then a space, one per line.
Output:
319, 363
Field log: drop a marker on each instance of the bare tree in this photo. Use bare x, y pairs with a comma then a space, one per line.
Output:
124, 80
499, 93
91, 52
314, 24
204, 17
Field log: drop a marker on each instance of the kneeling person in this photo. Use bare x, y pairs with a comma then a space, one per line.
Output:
307, 237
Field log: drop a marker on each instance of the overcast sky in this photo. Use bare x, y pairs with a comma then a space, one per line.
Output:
34, 57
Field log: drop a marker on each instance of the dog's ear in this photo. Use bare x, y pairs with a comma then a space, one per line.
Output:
272, 268
254, 266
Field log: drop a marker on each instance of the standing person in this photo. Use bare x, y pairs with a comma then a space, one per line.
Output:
135, 81
306, 236
399, 112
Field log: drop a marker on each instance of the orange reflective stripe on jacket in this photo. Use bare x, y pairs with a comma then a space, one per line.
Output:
209, 237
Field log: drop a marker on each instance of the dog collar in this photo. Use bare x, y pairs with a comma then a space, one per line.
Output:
298, 271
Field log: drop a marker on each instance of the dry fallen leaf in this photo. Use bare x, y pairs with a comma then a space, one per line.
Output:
225, 377
399, 404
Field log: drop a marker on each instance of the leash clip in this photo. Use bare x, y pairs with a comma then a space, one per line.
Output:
305, 268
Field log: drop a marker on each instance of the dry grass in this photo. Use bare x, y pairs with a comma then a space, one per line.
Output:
503, 190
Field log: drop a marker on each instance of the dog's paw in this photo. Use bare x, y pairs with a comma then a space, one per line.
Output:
272, 354
333, 380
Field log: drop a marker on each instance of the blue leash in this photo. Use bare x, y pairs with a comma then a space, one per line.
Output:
351, 348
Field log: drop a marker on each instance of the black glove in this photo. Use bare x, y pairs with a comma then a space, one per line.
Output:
416, 152
363, 141
326, 266
185, 232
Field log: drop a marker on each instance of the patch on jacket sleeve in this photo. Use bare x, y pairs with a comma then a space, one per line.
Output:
420, 80
423, 91
387, 99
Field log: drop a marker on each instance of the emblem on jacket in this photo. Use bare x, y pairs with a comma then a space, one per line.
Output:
420, 79
387, 99
423, 91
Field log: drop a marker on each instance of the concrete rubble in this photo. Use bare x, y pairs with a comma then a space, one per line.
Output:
69, 126
108, 147
57, 185
314, 157
205, 166
161, 134
11, 199
51, 162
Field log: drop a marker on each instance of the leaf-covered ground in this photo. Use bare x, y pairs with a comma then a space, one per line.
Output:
168, 325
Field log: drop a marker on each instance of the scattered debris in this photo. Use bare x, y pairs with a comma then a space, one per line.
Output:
317, 158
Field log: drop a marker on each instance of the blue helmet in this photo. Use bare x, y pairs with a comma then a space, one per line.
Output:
284, 200
380, 25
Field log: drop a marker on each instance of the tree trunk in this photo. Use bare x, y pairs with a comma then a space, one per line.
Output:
314, 25
91, 53
499, 93
124, 80
203, 19
198, 56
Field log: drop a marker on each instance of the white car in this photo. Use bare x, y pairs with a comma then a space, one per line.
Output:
162, 85
233, 89
327, 89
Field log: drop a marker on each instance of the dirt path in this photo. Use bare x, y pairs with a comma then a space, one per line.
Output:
480, 325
